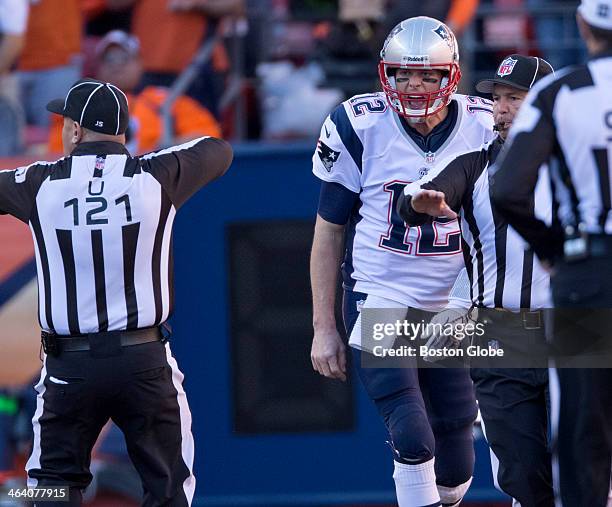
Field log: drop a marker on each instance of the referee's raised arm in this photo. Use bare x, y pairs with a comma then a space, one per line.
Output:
182, 170
18, 189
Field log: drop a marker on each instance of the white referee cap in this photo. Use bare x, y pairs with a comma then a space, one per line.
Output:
597, 13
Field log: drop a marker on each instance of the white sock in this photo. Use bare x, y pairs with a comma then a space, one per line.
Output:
451, 497
415, 485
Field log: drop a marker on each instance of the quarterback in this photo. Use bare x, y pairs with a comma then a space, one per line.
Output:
370, 147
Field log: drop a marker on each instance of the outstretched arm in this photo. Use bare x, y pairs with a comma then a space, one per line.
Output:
441, 192
185, 168
432, 203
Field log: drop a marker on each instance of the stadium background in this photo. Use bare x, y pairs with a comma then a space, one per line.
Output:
268, 430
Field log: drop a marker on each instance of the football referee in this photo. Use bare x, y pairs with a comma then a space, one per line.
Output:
102, 227
567, 121
510, 288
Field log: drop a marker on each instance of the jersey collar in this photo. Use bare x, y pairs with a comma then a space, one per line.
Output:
439, 137
101, 148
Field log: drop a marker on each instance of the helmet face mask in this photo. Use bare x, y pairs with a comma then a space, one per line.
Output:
419, 43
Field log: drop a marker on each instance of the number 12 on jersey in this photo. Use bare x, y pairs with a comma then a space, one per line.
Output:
439, 237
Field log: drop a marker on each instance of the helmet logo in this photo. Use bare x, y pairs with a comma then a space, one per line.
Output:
443, 32
506, 67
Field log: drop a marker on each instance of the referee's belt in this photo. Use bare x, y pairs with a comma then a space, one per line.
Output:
76, 343
528, 319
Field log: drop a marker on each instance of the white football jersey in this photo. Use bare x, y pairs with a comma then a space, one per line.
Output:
364, 147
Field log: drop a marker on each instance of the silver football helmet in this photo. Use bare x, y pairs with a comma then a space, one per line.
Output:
420, 43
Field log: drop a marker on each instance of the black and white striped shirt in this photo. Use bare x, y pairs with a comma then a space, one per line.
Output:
565, 119
102, 227
502, 271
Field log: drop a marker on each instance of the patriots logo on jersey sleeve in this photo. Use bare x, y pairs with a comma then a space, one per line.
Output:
327, 155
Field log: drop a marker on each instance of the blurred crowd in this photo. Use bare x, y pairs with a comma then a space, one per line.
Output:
141, 46
244, 69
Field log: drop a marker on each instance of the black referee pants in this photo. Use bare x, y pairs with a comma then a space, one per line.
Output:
581, 388
513, 407
139, 388
513, 404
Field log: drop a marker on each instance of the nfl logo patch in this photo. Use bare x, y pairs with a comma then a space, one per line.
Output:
506, 67
99, 167
430, 156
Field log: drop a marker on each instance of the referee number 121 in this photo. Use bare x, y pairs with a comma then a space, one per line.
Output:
100, 206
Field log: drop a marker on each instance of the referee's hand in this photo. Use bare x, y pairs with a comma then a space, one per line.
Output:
432, 203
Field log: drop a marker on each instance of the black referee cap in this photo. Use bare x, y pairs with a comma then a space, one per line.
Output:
97, 106
517, 71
